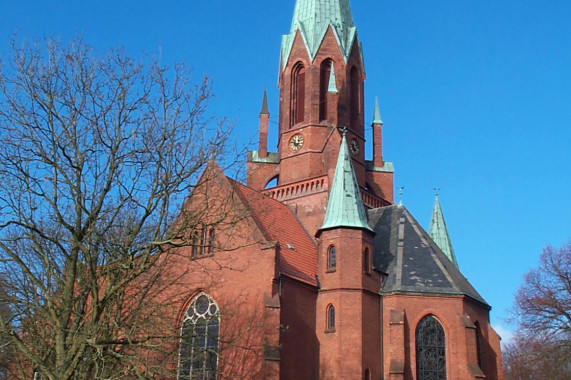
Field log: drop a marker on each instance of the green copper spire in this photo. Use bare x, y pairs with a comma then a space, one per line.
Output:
439, 233
332, 82
265, 110
312, 18
377, 115
345, 207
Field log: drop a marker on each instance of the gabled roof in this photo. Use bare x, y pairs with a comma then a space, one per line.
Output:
297, 250
312, 18
439, 233
413, 262
345, 206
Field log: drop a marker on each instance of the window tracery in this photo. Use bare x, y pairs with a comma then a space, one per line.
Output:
198, 353
430, 349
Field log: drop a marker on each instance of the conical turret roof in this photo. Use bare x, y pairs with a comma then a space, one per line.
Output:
345, 206
312, 18
439, 232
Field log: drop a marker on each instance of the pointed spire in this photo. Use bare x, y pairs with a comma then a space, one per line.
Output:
345, 206
312, 18
265, 110
377, 115
332, 82
438, 231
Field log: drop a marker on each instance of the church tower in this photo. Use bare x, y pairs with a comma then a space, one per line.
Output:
348, 299
321, 84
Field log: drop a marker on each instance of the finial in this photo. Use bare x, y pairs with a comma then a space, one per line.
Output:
343, 130
332, 88
436, 191
265, 110
377, 115
401, 192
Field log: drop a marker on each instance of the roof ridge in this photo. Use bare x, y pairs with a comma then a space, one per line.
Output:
270, 199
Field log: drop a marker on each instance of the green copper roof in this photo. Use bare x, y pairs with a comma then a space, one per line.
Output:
439, 233
265, 110
377, 115
312, 18
332, 82
345, 207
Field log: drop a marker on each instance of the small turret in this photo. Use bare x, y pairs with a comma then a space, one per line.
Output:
264, 121
345, 206
377, 136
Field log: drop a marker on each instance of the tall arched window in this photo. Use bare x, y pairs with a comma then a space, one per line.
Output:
330, 318
430, 350
479, 344
325, 76
366, 262
297, 94
355, 97
198, 355
331, 258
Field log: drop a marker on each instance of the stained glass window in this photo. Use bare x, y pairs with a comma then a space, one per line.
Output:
430, 350
198, 356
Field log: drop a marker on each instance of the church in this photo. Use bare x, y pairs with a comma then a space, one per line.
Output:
310, 270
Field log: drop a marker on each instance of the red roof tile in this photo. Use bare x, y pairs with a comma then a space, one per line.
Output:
298, 251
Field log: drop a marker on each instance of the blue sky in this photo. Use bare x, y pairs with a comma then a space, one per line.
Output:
475, 98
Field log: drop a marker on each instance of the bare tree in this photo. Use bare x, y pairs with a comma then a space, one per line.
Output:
97, 153
5, 314
543, 310
536, 358
543, 302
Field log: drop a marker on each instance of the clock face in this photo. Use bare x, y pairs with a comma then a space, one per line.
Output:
354, 147
296, 142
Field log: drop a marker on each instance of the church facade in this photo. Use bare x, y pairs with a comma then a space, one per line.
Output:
310, 270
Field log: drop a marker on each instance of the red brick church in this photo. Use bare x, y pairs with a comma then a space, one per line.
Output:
310, 271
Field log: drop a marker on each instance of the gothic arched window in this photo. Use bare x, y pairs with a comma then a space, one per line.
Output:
325, 77
366, 261
430, 349
331, 258
198, 355
297, 94
330, 318
355, 97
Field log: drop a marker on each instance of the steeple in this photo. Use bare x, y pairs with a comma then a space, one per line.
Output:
265, 110
264, 121
439, 233
345, 207
312, 18
377, 136
377, 115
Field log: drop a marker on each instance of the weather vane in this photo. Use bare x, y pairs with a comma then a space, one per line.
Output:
401, 191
